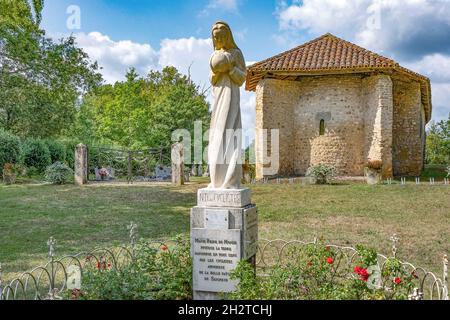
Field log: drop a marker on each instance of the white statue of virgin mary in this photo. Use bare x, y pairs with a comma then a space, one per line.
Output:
228, 73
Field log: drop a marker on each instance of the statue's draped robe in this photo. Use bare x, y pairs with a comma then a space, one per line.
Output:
224, 151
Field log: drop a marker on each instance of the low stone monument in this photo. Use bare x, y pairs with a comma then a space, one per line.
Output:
224, 224
81, 164
178, 164
194, 170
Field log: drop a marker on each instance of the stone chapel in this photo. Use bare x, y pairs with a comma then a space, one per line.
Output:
339, 104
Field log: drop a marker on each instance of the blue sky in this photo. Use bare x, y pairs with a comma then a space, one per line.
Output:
151, 34
150, 21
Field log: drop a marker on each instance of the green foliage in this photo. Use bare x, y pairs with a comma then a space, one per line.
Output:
448, 172
9, 148
322, 173
69, 147
318, 272
157, 273
41, 80
141, 112
57, 150
58, 173
35, 154
438, 143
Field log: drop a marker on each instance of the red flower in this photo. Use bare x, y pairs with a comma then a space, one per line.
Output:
397, 280
363, 274
98, 265
330, 260
164, 248
309, 263
109, 265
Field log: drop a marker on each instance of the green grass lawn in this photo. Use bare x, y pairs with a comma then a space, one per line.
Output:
346, 213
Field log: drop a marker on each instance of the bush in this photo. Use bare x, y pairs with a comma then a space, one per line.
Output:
35, 154
322, 173
448, 172
69, 146
58, 173
316, 272
9, 148
157, 273
57, 150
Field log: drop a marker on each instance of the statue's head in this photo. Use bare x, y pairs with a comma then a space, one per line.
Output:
222, 36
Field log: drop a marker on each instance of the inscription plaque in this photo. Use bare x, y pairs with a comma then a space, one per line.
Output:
215, 254
224, 198
216, 219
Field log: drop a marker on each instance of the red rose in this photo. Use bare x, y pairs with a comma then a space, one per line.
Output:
164, 248
330, 260
309, 263
363, 274
397, 280
98, 265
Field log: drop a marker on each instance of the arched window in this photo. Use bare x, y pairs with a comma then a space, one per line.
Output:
322, 127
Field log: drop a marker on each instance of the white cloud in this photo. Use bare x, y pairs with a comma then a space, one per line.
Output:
405, 28
441, 101
115, 57
188, 53
435, 66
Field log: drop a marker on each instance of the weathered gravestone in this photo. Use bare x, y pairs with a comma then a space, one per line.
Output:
194, 170
81, 165
162, 172
224, 224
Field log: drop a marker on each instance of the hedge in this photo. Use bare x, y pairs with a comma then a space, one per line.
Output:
9, 148
36, 154
57, 150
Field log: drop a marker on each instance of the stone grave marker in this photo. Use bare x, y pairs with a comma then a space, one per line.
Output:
178, 175
81, 165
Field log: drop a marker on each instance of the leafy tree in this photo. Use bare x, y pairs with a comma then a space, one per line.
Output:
438, 143
142, 112
41, 80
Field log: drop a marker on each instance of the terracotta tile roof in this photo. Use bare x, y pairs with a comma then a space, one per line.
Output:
328, 54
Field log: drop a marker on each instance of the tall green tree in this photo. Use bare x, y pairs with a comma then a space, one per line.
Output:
142, 112
438, 143
41, 81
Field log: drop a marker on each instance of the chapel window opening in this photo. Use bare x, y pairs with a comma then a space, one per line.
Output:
322, 127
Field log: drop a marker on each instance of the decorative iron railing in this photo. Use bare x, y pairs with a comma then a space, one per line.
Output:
427, 285
53, 280
58, 276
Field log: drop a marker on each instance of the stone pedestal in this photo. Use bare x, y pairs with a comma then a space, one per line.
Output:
224, 231
81, 165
